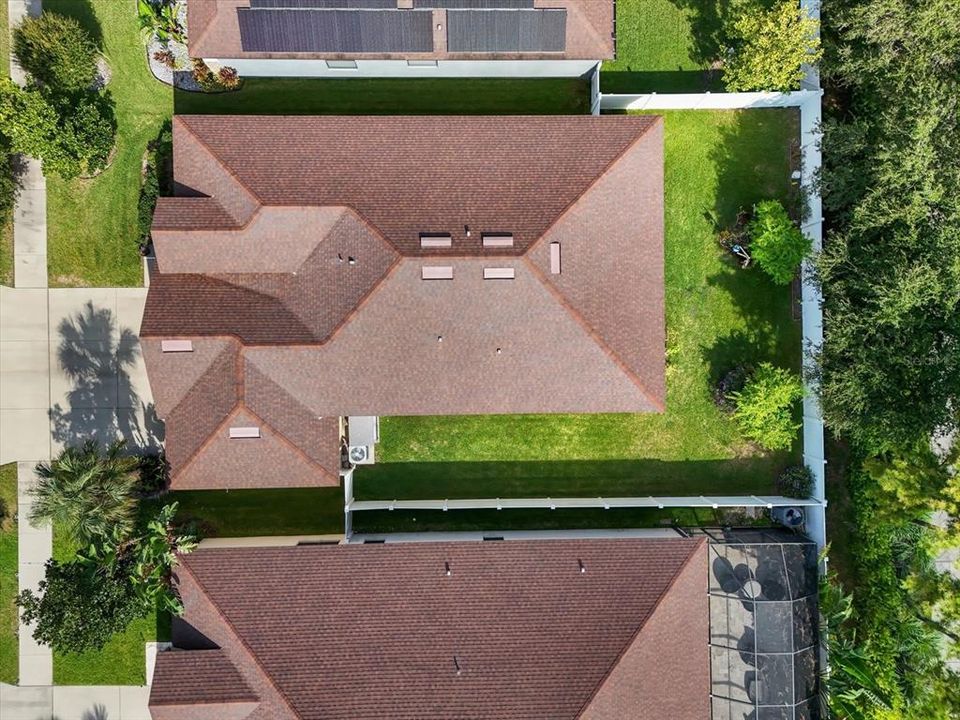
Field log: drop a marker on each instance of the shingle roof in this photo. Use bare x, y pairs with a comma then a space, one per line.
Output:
596, 629
377, 29
317, 274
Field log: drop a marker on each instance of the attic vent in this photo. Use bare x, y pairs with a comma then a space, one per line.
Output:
506, 273
555, 258
176, 345
435, 240
436, 272
244, 432
497, 240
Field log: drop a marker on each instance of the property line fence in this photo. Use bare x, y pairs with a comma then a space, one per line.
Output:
808, 102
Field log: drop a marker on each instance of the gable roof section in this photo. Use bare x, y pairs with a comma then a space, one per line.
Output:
320, 280
516, 630
378, 29
199, 685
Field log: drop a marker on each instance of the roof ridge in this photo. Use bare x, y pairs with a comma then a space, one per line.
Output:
695, 547
243, 643
594, 335
182, 121
229, 348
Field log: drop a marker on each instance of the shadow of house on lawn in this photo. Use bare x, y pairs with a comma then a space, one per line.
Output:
96, 356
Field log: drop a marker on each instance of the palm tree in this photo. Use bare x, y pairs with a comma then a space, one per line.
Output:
87, 492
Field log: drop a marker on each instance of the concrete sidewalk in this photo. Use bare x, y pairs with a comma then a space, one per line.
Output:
64, 702
34, 548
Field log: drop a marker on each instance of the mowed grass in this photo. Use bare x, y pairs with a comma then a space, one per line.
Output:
718, 316
251, 513
122, 661
394, 96
664, 46
6, 228
92, 224
8, 574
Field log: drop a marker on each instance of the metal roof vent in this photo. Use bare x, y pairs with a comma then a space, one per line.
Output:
435, 240
176, 346
237, 433
583, 568
456, 665
446, 569
497, 240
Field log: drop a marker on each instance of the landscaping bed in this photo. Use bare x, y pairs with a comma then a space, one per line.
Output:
718, 316
8, 574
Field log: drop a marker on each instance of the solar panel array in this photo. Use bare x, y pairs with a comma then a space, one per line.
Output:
379, 26
506, 31
335, 31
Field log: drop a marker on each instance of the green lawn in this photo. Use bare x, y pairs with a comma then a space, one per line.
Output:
394, 96
8, 574
6, 229
664, 46
717, 316
248, 513
92, 233
122, 661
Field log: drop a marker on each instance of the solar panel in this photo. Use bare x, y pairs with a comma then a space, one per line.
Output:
327, 4
506, 30
474, 4
335, 31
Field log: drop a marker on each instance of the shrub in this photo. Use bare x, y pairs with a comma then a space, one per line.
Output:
56, 51
777, 243
161, 18
769, 46
229, 78
731, 382
154, 473
166, 57
796, 482
156, 182
765, 406
80, 606
91, 124
225, 79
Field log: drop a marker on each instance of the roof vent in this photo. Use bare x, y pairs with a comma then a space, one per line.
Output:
436, 272
244, 432
456, 665
435, 240
176, 346
554, 258
498, 273
497, 240
583, 568
446, 569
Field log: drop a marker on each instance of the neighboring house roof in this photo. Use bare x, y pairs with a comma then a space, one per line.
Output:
398, 29
559, 629
294, 257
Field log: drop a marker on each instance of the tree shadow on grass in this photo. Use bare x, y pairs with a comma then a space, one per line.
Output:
707, 20
665, 81
96, 356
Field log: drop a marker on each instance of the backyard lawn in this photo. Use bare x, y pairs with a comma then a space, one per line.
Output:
717, 316
664, 46
8, 574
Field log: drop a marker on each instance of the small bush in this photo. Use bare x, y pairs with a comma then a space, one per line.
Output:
731, 382
92, 124
225, 79
156, 182
166, 57
56, 51
154, 474
777, 243
796, 482
765, 406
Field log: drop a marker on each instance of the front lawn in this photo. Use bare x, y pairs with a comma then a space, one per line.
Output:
92, 224
122, 661
394, 96
6, 229
717, 316
8, 574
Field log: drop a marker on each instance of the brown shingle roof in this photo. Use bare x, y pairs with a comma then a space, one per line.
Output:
214, 32
320, 279
515, 630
